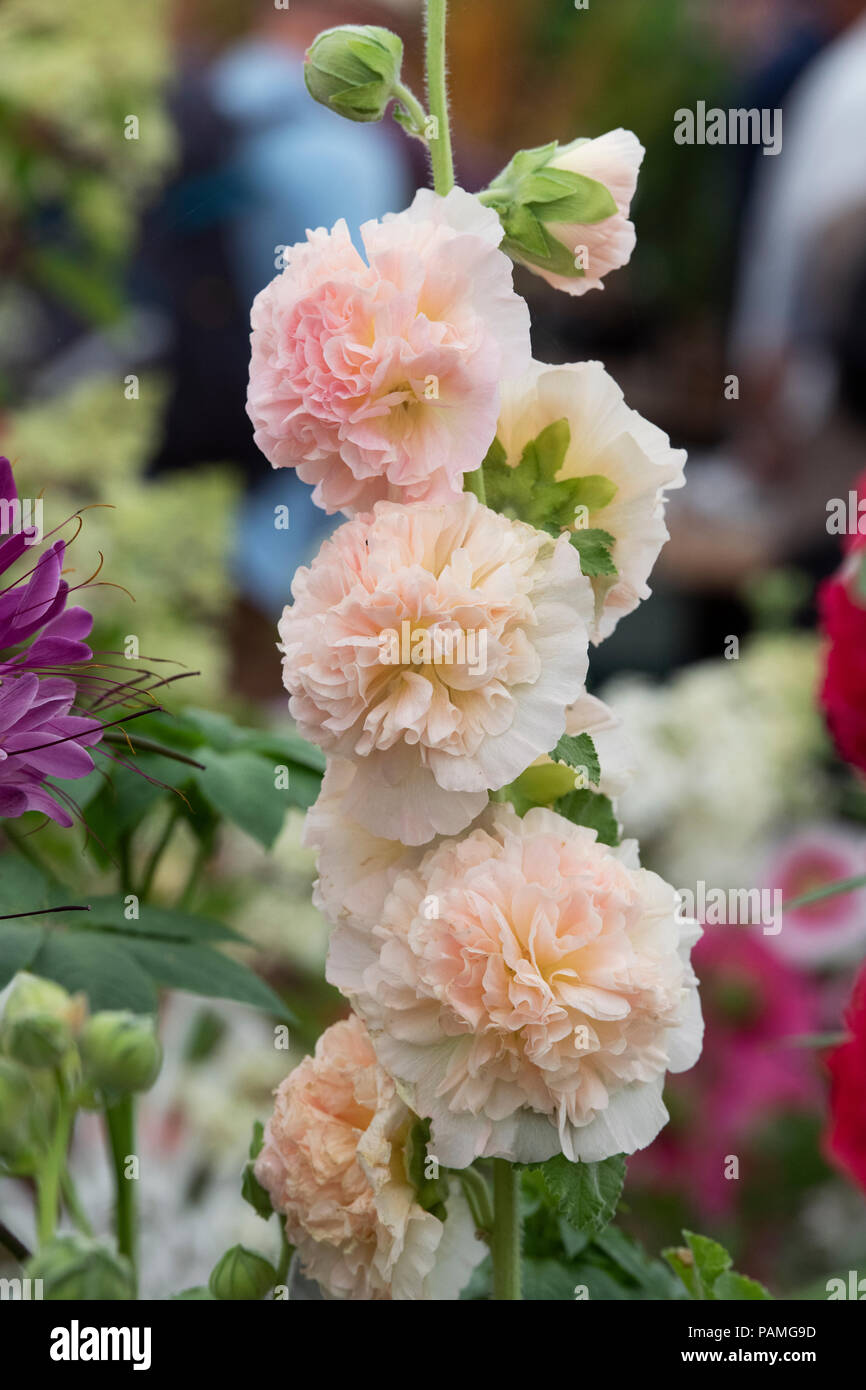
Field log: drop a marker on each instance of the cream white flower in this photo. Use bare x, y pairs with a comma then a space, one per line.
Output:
610, 439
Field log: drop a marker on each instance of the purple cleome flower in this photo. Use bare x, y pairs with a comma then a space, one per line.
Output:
40, 638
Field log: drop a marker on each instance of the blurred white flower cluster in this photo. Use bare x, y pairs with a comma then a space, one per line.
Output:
727, 753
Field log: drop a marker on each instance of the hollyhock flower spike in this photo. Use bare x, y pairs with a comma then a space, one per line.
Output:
380, 378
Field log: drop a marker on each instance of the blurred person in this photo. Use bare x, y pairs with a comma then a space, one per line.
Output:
795, 348
804, 254
261, 162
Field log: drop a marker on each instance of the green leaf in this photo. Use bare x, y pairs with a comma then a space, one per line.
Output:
199, 1294
524, 231
155, 922
24, 888
594, 548
557, 195
730, 1287
539, 786
94, 964
241, 787
251, 1189
585, 1193
593, 809
704, 1267
582, 203
547, 1281
531, 491
593, 491
18, 946
544, 455
431, 1193
651, 1276
200, 970
578, 751
254, 1194
257, 1142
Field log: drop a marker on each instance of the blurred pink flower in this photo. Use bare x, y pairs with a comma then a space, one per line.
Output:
754, 1003
380, 378
833, 929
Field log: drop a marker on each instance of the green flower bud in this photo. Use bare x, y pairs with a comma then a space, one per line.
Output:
121, 1052
40, 1021
28, 1111
543, 204
354, 69
79, 1267
242, 1275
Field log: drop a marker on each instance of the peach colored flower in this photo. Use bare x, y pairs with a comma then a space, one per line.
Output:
611, 439
613, 159
357, 868
528, 988
332, 1162
506, 603
380, 378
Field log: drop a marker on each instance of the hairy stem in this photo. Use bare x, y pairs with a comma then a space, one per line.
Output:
120, 1121
437, 97
505, 1243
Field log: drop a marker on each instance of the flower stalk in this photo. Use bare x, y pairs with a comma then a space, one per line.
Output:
437, 98
505, 1242
120, 1121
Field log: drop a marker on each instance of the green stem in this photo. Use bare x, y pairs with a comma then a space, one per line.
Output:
49, 1177
474, 483
437, 97
73, 1203
120, 1121
829, 890
477, 1195
159, 850
286, 1252
505, 1242
124, 850
20, 842
414, 110
202, 855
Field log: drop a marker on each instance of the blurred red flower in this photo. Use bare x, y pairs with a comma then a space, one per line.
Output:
842, 607
846, 1138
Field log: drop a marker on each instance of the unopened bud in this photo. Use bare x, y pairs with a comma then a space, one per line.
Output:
40, 1021
28, 1108
78, 1267
354, 69
242, 1275
121, 1052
